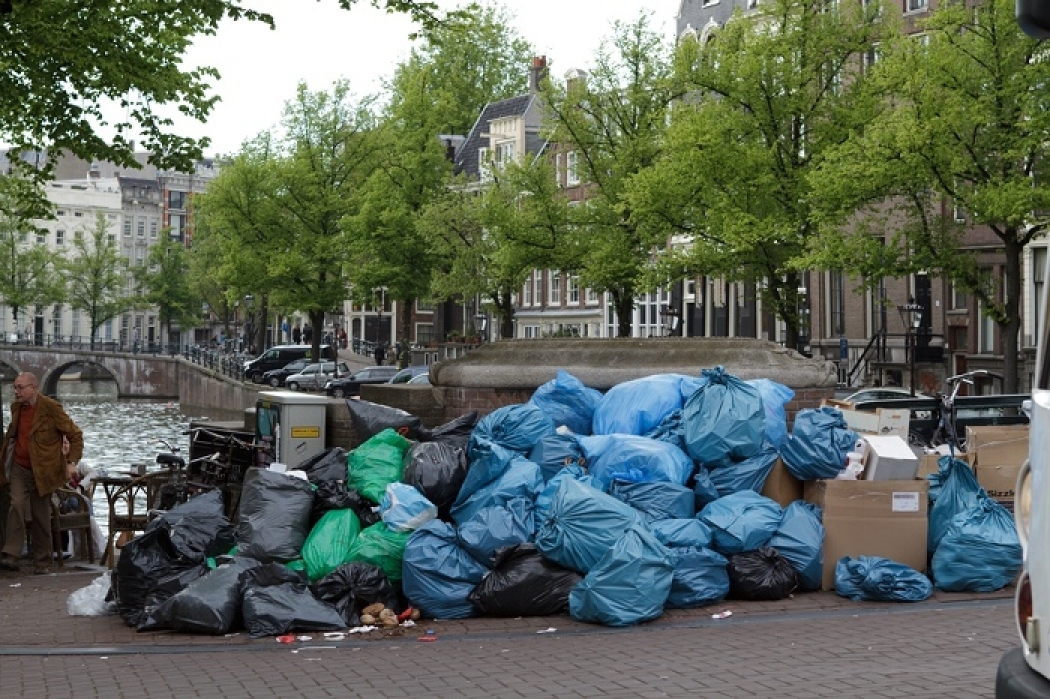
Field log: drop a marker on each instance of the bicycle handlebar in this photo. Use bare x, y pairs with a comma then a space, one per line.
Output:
972, 374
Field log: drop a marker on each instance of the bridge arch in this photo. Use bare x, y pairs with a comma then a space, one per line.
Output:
136, 375
49, 381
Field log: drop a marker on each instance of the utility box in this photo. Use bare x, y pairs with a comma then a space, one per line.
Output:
289, 427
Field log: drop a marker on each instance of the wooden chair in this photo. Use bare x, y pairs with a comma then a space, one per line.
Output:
76, 518
134, 500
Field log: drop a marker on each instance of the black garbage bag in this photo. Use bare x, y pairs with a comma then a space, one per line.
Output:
336, 495
455, 433
144, 562
210, 604
198, 528
329, 465
524, 583
274, 515
154, 614
436, 469
761, 575
208, 504
353, 586
369, 419
271, 574
290, 606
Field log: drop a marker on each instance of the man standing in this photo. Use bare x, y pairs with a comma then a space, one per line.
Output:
34, 463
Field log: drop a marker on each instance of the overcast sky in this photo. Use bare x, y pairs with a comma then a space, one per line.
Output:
318, 42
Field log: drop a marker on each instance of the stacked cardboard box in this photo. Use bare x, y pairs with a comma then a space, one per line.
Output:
998, 453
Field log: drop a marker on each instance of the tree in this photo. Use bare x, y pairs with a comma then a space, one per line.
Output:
64, 62
442, 87
164, 283
966, 128
96, 277
27, 270
774, 91
614, 121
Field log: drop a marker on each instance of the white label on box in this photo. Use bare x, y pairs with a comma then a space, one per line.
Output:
906, 502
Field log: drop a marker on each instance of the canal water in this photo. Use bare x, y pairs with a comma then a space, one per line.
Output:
117, 432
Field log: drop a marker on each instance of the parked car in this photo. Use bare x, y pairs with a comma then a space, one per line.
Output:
276, 377
280, 355
880, 393
351, 385
409, 373
314, 376
420, 379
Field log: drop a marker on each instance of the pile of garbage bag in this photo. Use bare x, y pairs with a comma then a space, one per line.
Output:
612, 507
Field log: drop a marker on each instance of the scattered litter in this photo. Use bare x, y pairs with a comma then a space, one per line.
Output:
722, 615
231, 635
297, 650
408, 623
362, 629
104, 657
304, 638
335, 635
429, 637
15, 585
549, 629
287, 638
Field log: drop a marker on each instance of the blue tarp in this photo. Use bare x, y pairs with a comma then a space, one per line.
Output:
630, 584
869, 578
582, 525
626, 457
743, 521
438, 575
700, 578
980, 552
566, 401
819, 442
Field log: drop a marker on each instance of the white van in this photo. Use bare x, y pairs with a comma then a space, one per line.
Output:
1024, 671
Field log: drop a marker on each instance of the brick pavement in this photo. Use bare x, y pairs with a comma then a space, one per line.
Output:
812, 645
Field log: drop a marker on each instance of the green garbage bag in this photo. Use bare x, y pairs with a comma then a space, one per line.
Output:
376, 464
383, 547
327, 546
296, 565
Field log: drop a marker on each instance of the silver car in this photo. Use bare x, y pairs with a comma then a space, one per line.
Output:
314, 376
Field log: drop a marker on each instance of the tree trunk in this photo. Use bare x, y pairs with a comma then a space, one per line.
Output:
623, 302
505, 310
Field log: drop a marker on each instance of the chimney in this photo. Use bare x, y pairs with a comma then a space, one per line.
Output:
537, 74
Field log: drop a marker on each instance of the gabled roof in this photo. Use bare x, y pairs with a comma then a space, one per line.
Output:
467, 156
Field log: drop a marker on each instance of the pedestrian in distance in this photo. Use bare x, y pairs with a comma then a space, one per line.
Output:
35, 464
297, 335
380, 353
308, 334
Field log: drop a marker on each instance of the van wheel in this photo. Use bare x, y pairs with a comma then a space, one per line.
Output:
275, 382
294, 386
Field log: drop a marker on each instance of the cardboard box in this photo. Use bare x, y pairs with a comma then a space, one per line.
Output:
889, 458
781, 486
998, 451
928, 463
879, 421
871, 518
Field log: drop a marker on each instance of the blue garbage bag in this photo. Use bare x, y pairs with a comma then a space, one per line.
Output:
522, 478
626, 457
704, 489
670, 430
656, 500
749, 474
679, 533
630, 584
800, 540
546, 496
724, 421
515, 427
405, 509
637, 406
818, 444
774, 397
874, 579
566, 401
980, 552
740, 522
493, 528
438, 574
582, 525
700, 578
959, 493
555, 452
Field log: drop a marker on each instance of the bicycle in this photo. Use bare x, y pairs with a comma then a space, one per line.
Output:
946, 431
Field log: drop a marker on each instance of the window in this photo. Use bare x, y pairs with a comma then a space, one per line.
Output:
78, 214
504, 153
574, 289
559, 163
871, 57
1038, 284
127, 227
752, 4
424, 333
537, 287
424, 306
177, 223
79, 235
592, 296
526, 297
484, 166
140, 228
708, 3
56, 321
572, 176
958, 211
531, 332
153, 228
555, 288
75, 333
985, 325
960, 298
60, 237
140, 256
177, 200
915, 5
61, 212
837, 302
41, 237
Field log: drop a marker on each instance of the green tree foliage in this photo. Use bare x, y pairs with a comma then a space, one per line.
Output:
27, 270
966, 128
164, 283
96, 276
615, 121
774, 91
440, 89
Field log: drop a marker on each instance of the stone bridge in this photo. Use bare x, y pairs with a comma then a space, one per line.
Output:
136, 375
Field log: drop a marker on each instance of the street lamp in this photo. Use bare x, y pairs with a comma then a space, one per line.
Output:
249, 324
379, 312
911, 316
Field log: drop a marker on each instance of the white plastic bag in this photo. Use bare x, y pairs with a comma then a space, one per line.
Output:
91, 600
